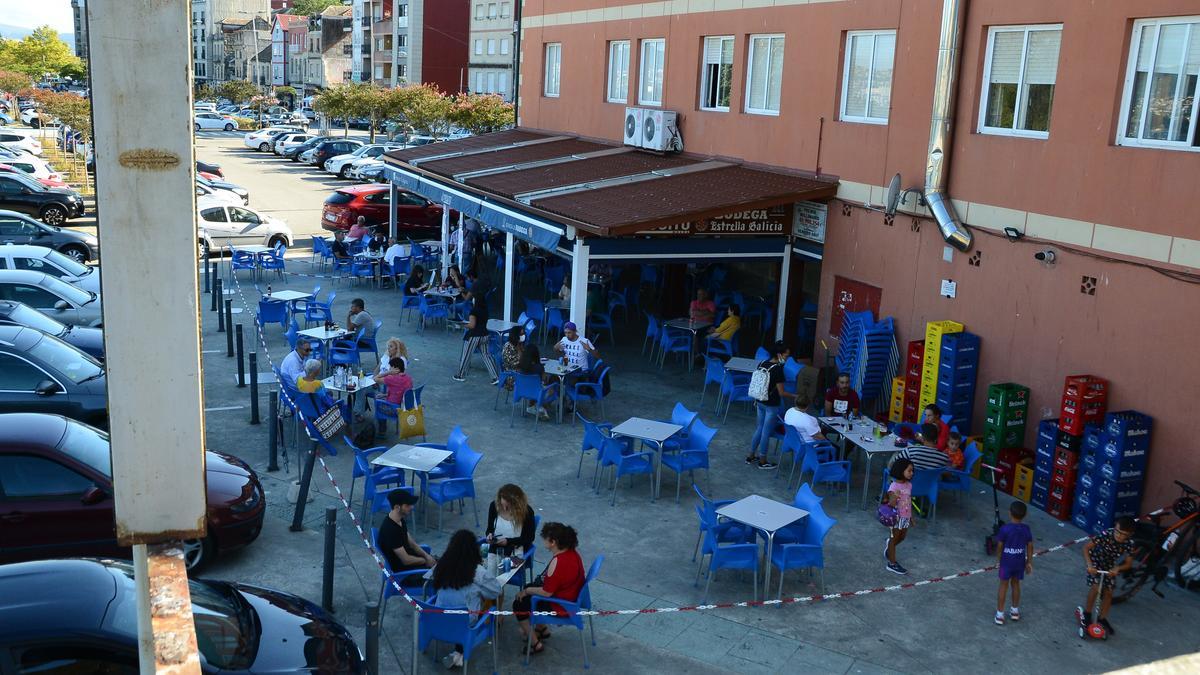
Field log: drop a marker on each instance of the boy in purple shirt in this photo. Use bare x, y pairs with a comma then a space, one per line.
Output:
1015, 559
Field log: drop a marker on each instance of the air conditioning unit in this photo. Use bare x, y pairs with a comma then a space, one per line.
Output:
659, 131
632, 133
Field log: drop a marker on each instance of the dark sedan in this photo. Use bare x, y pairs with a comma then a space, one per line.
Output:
53, 206
87, 340
333, 147
294, 153
16, 228
56, 494
80, 616
42, 374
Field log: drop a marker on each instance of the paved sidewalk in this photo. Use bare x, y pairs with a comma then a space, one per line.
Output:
942, 627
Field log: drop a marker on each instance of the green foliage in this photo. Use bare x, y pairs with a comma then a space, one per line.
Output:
237, 91
11, 82
68, 109
481, 113
40, 53
204, 92
310, 7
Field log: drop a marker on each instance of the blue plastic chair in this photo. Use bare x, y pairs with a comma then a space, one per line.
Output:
505, 376
554, 321
682, 417
714, 372
727, 348
818, 459
386, 411
597, 323
590, 391
373, 477
954, 480
613, 453
344, 266
792, 444
273, 260
270, 311
362, 269
761, 354
791, 370
693, 455
319, 312
431, 311
727, 531
530, 388
805, 500
412, 581
593, 439
617, 300
242, 260
457, 487
372, 342
409, 303
318, 247
462, 629
573, 618
809, 553
345, 352
735, 389
652, 330
925, 483
728, 556
674, 342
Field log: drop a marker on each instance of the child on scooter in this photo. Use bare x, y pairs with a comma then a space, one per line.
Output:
1015, 557
1108, 551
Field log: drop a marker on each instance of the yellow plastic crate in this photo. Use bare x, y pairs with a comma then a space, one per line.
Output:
898, 386
934, 330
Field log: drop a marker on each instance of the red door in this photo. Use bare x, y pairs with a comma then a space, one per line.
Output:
851, 296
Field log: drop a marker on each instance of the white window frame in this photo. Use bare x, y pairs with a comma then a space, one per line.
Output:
478, 47
552, 81
503, 46
608, 81
750, 70
1127, 93
987, 79
491, 44
492, 10
642, 100
874, 34
505, 10
479, 81
704, 83
479, 11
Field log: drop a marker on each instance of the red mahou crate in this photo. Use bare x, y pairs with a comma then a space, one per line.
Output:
1085, 386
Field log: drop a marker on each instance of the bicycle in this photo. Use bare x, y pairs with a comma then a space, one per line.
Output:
1156, 547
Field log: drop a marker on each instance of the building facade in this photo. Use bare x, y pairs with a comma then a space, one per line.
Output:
209, 58
360, 34
328, 53
289, 39
1075, 132
491, 57
244, 39
79, 13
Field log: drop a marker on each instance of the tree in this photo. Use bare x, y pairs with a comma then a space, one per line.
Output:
428, 110
334, 103
204, 91
311, 7
237, 91
39, 53
11, 82
481, 113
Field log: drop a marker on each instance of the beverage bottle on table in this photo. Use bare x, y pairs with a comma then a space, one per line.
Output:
268, 289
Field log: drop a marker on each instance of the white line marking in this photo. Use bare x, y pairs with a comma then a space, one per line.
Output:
224, 407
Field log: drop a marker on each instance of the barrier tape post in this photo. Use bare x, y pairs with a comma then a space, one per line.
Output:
273, 432
220, 315
416, 630
241, 356
327, 571
305, 481
207, 278
373, 637
229, 328
253, 387
216, 294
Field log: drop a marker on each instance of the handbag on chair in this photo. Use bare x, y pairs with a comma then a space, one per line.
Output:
411, 422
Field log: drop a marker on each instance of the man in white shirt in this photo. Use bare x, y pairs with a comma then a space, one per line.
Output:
293, 364
806, 425
576, 348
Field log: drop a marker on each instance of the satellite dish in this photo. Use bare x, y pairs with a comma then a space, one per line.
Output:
893, 196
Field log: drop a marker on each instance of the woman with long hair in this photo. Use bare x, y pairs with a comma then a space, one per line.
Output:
510, 520
510, 353
563, 579
395, 349
460, 580
530, 363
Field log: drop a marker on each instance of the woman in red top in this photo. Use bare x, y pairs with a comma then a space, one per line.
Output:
933, 415
563, 578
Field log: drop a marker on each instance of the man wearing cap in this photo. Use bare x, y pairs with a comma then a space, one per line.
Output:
398, 547
576, 348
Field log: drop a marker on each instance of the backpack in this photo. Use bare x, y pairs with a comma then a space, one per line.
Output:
365, 437
760, 384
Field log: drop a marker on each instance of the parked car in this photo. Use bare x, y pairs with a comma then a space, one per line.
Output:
43, 374
213, 120
372, 172
203, 191
219, 184
16, 228
283, 142
34, 118
308, 112
262, 139
52, 296
293, 153
239, 628
47, 182
20, 140
414, 213
35, 167
87, 340
340, 164
331, 147
206, 106
306, 156
53, 206
74, 458
49, 261
206, 167
354, 171
227, 224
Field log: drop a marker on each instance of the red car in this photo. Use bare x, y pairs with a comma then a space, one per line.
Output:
48, 182
56, 494
415, 215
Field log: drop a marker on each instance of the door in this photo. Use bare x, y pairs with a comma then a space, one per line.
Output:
19, 380
216, 223
417, 210
43, 514
39, 299
17, 196
15, 230
246, 225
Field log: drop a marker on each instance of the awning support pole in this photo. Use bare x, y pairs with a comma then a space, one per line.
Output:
445, 241
510, 255
579, 285
393, 195
785, 271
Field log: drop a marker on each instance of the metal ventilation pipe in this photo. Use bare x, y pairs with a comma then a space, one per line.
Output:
937, 169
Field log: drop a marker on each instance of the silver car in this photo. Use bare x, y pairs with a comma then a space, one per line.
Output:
52, 296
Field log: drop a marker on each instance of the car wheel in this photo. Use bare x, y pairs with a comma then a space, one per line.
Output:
263, 147
342, 173
36, 123
228, 127
196, 127
54, 214
202, 247
276, 241
197, 553
77, 253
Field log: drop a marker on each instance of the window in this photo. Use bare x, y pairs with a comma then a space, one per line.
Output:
491, 83
618, 71
17, 374
764, 74
347, 75
402, 11
347, 49
491, 10
867, 79
716, 73
1022, 64
504, 45
479, 83
402, 70
478, 47
504, 10
479, 11
491, 47
1158, 108
502, 86
553, 67
31, 295
214, 215
240, 215
650, 80
402, 41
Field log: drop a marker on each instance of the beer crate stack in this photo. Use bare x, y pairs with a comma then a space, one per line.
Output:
1004, 423
896, 404
1112, 468
913, 365
1084, 400
1043, 468
934, 330
958, 366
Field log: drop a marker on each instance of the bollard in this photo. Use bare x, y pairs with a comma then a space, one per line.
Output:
416, 632
229, 325
373, 638
273, 434
216, 294
207, 278
240, 356
305, 482
253, 387
327, 569
220, 318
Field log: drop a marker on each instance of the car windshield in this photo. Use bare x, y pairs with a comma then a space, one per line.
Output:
68, 265
226, 627
62, 289
28, 316
64, 358
87, 445
27, 181
339, 198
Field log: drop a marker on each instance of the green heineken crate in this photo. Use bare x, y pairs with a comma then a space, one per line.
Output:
988, 457
996, 438
1000, 417
1008, 395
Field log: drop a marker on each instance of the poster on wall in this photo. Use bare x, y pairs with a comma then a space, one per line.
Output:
808, 220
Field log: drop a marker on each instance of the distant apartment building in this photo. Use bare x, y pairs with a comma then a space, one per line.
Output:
208, 40
289, 37
329, 52
244, 39
79, 11
492, 55
411, 41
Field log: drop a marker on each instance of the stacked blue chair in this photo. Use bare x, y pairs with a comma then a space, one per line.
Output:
958, 366
867, 351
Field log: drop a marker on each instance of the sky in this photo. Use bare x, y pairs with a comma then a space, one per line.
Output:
34, 13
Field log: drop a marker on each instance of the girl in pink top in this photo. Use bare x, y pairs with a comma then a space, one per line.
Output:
900, 498
396, 380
